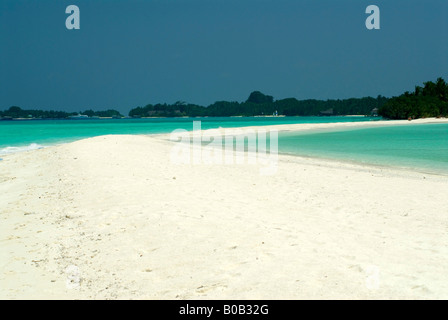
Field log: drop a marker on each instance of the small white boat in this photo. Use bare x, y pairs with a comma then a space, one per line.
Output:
79, 116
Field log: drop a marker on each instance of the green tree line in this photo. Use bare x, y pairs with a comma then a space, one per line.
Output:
17, 112
259, 104
431, 100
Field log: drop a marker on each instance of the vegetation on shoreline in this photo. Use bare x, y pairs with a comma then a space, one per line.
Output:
428, 101
431, 100
19, 113
259, 104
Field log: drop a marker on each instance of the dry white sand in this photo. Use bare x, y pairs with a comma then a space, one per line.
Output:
111, 217
341, 125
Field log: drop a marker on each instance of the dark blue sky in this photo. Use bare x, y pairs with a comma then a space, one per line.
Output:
131, 53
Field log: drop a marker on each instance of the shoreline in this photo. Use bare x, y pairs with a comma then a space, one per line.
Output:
317, 126
336, 125
369, 165
331, 127
301, 127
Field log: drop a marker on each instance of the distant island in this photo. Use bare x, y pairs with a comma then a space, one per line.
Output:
18, 113
259, 104
431, 100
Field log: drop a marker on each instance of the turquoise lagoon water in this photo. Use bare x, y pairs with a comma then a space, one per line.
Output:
418, 146
29, 133
423, 146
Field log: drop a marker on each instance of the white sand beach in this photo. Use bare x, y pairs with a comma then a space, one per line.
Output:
111, 217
